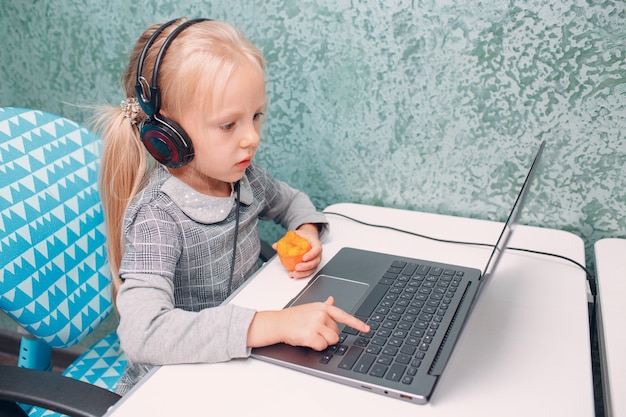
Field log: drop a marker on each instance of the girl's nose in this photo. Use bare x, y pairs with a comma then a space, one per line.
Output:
250, 137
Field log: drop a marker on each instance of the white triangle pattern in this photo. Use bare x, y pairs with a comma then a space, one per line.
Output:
47, 215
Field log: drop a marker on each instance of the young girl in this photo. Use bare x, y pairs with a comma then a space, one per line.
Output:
182, 217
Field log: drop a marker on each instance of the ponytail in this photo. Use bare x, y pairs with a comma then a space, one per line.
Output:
125, 166
123, 171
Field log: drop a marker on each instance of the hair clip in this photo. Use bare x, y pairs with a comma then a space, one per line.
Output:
131, 108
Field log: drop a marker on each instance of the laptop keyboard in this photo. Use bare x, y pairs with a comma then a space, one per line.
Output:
404, 312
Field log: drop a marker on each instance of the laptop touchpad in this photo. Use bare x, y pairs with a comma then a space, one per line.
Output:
346, 293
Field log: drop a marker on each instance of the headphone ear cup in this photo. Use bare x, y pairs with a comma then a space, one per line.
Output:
166, 141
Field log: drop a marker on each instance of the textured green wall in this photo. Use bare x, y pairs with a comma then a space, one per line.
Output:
429, 105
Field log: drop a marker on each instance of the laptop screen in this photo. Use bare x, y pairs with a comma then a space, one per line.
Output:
513, 217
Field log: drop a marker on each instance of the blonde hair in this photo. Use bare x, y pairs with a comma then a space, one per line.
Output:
193, 72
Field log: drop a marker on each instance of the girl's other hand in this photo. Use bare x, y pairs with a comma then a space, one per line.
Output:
311, 259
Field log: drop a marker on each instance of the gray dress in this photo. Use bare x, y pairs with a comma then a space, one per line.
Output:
176, 268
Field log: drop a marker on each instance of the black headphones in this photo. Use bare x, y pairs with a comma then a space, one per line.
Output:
166, 141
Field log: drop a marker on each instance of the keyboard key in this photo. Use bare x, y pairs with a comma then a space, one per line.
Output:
390, 350
361, 341
341, 350
404, 325
398, 264
394, 317
425, 317
364, 363
384, 333
395, 372
377, 317
331, 349
408, 349
400, 334
409, 318
391, 274
403, 358
420, 324
412, 341
409, 269
351, 357
394, 270
378, 370
395, 342
417, 333
374, 350
378, 340
389, 324
423, 269
368, 334
391, 297
384, 360
326, 357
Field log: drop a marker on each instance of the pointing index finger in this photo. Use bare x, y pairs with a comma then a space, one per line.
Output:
342, 317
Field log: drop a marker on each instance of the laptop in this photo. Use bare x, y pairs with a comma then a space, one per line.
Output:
416, 310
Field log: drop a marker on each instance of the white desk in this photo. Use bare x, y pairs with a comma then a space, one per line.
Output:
525, 350
611, 275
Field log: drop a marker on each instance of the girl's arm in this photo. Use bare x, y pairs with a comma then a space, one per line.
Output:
152, 331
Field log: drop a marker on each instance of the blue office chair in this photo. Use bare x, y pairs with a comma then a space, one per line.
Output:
55, 281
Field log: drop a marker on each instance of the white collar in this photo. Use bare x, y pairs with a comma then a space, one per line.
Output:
203, 208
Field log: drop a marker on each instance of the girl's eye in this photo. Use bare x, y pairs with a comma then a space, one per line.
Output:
258, 116
228, 126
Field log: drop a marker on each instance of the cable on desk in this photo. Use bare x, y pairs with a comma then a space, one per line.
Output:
590, 278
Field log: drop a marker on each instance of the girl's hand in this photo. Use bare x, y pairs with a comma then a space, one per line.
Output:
311, 259
312, 325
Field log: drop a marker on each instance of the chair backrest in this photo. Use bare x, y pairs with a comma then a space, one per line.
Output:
54, 276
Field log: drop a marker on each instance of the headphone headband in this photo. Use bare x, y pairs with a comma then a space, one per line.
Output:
151, 103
